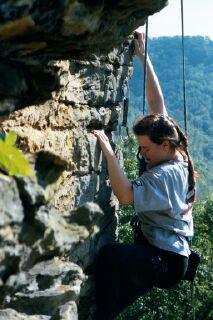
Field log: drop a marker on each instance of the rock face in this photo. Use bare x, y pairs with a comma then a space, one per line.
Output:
52, 227
61, 28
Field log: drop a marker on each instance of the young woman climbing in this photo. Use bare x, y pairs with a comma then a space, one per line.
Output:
162, 201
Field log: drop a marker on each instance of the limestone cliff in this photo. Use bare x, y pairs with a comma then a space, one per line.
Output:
64, 68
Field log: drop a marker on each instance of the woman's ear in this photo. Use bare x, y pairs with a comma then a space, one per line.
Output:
166, 144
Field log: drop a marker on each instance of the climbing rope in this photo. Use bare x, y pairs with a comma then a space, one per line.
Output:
145, 66
192, 284
126, 96
183, 68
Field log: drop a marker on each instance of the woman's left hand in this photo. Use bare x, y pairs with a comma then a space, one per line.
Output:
104, 142
140, 43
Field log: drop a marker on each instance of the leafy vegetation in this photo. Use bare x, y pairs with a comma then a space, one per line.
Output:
173, 304
12, 160
165, 53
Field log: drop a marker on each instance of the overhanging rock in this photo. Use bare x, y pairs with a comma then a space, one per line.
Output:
69, 28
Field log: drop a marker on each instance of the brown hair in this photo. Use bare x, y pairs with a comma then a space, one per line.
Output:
159, 128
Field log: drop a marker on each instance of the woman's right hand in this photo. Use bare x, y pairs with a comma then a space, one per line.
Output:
104, 143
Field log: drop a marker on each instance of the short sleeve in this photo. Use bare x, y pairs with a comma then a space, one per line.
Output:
151, 193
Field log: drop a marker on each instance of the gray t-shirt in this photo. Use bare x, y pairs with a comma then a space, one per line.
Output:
160, 201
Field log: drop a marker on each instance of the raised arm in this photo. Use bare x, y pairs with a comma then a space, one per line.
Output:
153, 90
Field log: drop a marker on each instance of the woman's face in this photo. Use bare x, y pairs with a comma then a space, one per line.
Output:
153, 153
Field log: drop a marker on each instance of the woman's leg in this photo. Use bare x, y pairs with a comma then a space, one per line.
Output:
123, 273
107, 282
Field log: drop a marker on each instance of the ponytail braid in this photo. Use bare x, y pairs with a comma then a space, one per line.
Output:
183, 144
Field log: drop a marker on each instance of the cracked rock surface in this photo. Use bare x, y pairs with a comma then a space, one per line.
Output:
65, 67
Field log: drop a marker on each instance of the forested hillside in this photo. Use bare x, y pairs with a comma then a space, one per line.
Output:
165, 53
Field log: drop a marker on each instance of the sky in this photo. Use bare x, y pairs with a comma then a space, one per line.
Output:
198, 19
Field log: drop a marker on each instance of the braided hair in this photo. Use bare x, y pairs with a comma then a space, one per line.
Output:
159, 128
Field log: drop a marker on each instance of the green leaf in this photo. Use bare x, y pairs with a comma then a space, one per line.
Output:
10, 138
12, 160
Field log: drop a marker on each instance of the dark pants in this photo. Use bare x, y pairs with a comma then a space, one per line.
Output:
124, 272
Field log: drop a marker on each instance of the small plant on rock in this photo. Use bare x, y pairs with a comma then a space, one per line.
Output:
12, 160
